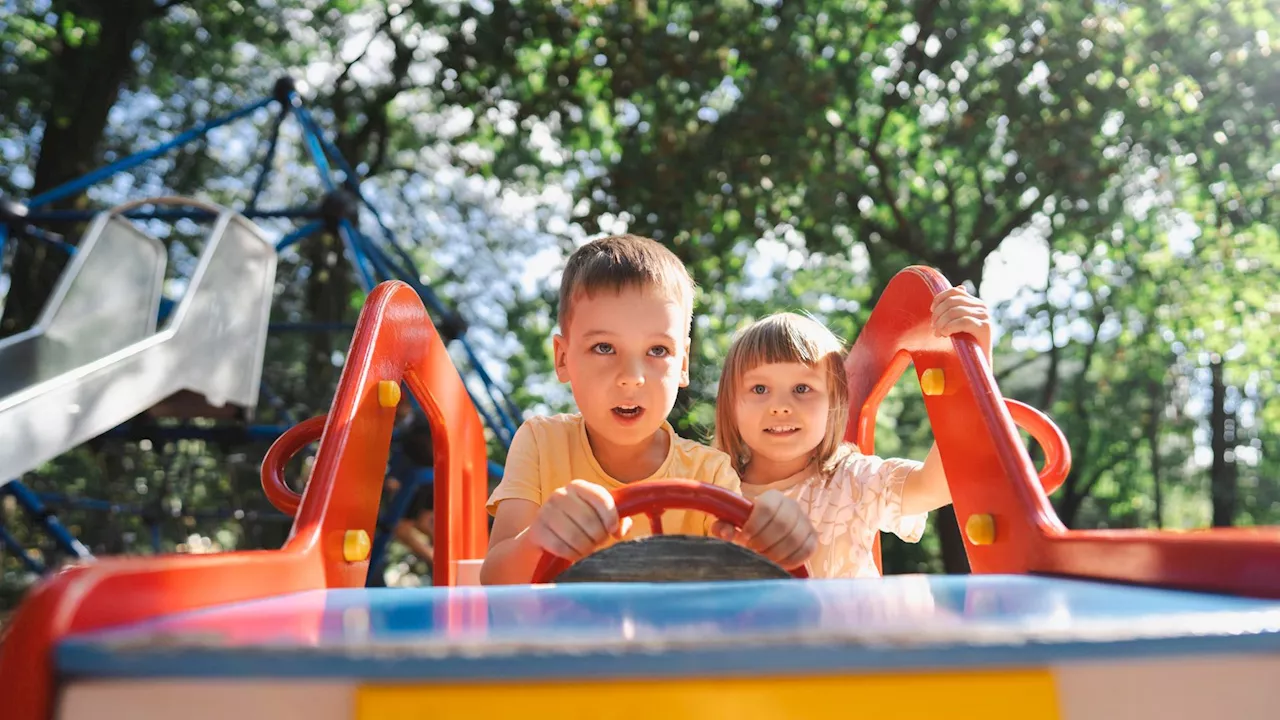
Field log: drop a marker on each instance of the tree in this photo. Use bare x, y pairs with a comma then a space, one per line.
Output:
928, 132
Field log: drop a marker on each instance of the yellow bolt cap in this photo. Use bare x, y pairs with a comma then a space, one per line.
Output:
933, 381
356, 546
388, 393
981, 529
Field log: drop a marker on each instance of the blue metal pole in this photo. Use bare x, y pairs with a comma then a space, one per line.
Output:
352, 182
78, 185
51, 239
168, 214
30, 502
9, 541
311, 137
350, 238
490, 385
270, 157
300, 234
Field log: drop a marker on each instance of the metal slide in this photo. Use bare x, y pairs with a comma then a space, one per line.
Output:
95, 358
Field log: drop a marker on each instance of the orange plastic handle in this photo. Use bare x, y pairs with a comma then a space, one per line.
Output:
278, 456
653, 497
1057, 453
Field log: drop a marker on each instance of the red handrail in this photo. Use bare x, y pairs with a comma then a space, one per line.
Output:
1046, 433
277, 489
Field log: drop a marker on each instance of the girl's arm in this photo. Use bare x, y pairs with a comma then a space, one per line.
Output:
954, 311
926, 489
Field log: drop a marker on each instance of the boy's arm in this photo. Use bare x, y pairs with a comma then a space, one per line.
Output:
925, 489
512, 553
572, 523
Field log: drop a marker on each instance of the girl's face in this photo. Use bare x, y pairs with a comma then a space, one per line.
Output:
782, 412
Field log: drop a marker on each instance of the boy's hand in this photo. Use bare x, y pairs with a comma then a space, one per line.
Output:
956, 311
576, 519
777, 529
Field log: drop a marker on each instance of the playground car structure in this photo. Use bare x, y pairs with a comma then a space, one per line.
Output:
1053, 623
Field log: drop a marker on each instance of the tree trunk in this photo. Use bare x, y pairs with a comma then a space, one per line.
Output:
955, 560
86, 79
1222, 479
1156, 391
328, 294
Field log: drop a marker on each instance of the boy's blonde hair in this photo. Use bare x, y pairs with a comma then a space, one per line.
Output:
624, 261
782, 338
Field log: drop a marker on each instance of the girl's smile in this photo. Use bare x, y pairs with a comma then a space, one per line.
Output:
782, 413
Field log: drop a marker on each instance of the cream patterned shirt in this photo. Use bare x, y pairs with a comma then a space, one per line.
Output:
862, 497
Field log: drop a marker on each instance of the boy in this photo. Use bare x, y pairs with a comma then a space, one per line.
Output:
626, 311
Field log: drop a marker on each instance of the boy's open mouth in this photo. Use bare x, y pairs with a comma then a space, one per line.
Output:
628, 412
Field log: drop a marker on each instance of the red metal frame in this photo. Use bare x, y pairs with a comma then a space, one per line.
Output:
394, 340
651, 498
991, 473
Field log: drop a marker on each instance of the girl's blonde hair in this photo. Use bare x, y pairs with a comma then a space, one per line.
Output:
781, 338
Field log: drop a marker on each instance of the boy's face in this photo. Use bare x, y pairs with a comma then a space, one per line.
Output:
625, 356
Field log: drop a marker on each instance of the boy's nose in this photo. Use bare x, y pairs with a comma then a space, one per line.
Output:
631, 377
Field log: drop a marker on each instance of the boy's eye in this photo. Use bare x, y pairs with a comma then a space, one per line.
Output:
602, 349
759, 389
659, 351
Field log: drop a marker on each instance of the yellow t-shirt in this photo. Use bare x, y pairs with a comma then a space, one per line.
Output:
549, 452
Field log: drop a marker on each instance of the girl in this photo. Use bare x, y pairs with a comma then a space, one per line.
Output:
781, 412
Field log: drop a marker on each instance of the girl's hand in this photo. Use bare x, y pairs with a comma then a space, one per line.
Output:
956, 311
777, 529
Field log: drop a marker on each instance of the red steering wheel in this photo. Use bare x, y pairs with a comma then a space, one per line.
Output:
653, 497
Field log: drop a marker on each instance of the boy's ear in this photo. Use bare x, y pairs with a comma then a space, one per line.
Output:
684, 365
560, 348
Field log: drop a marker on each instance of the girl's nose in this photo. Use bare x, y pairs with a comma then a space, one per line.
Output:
780, 410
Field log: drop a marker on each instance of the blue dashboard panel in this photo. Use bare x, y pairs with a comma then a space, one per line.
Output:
599, 630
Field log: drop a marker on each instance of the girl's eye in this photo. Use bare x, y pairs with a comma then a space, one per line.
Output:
602, 349
802, 388
759, 389
659, 351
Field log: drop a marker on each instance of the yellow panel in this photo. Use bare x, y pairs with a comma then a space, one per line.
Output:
1010, 695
